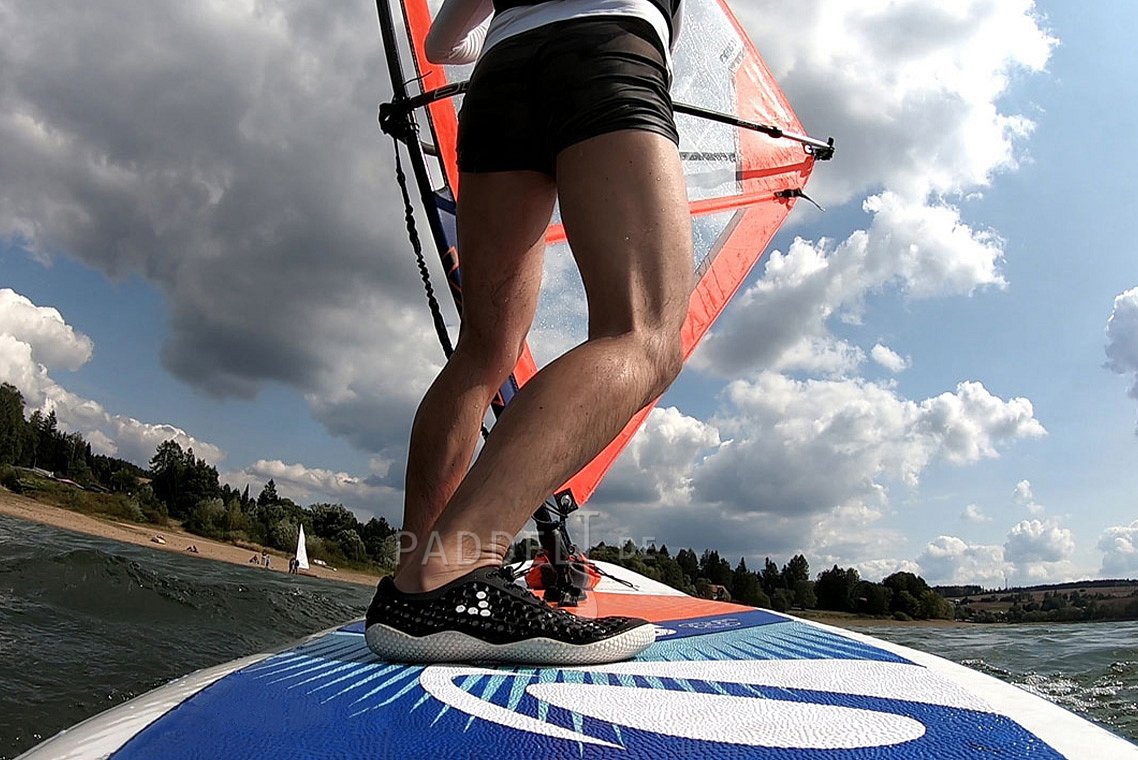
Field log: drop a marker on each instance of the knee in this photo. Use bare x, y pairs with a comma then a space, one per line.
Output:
671, 362
486, 359
663, 358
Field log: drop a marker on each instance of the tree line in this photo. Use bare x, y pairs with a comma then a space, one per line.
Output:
37, 442
902, 595
1089, 603
189, 489
180, 485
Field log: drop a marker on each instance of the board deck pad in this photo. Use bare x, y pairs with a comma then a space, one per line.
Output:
722, 681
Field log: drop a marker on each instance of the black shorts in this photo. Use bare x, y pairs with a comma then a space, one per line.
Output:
535, 94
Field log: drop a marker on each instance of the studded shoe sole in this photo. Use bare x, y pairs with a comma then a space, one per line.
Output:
451, 646
485, 617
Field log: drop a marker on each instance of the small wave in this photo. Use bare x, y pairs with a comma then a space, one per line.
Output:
986, 667
87, 623
1126, 668
1104, 698
1088, 668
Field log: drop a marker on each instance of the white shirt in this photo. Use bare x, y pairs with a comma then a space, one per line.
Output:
464, 29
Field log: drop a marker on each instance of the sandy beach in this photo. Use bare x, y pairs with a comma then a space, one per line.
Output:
176, 539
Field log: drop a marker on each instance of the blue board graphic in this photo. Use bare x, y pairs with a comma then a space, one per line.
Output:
750, 685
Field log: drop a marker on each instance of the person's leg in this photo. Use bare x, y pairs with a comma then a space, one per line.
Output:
624, 205
503, 218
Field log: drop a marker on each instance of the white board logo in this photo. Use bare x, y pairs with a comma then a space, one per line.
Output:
756, 721
715, 624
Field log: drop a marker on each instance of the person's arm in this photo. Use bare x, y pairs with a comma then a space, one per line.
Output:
458, 31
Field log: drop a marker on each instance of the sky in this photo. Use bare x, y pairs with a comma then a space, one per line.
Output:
201, 239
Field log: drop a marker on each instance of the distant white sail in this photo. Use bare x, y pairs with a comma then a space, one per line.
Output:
301, 551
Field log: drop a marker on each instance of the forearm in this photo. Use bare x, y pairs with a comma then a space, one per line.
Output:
458, 31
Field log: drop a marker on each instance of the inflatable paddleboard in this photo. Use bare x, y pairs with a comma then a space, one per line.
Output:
721, 681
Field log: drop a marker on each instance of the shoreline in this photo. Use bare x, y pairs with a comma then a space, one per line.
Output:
854, 622
30, 510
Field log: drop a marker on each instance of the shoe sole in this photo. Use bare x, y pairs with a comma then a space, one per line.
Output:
452, 646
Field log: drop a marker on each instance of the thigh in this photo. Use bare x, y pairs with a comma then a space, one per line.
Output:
625, 209
502, 220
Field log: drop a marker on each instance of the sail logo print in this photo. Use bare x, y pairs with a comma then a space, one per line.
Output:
613, 694
715, 624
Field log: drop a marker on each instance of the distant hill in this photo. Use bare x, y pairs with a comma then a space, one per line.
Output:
1089, 600
956, 592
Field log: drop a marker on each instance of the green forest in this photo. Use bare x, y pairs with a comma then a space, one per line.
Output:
903, 595
178, 486
39, 459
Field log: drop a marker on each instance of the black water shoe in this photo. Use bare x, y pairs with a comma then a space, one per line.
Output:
484, 616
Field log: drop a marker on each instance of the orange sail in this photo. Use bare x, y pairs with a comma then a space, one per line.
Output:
742, 181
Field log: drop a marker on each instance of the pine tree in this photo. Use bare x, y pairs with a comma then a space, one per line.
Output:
268, 494
13, 427
771, 578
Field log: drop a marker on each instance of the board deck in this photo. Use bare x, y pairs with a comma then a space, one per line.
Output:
721, 680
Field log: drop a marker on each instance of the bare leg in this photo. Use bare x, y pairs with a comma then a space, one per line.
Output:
501, 278
624, 205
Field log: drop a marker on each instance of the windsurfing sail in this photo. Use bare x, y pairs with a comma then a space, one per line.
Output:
744, 154
301, 551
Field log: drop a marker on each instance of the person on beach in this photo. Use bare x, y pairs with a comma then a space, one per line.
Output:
568, 102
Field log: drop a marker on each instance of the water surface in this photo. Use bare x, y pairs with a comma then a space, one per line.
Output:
87, 623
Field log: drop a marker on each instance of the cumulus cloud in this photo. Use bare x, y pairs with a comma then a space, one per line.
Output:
951, 560
781, 322
1034, 551
787, 465
135, 441
1025, 498
1119, 547
658, 463
876, 569
52, 341
911, 89
1039, 541
888, 358
1023, 492
649, 494
1040, 550
242, 173
1122, 338
310, 485
35, 340
974, 514
855, 534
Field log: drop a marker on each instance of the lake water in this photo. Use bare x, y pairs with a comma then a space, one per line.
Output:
87, 623
1089, 668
